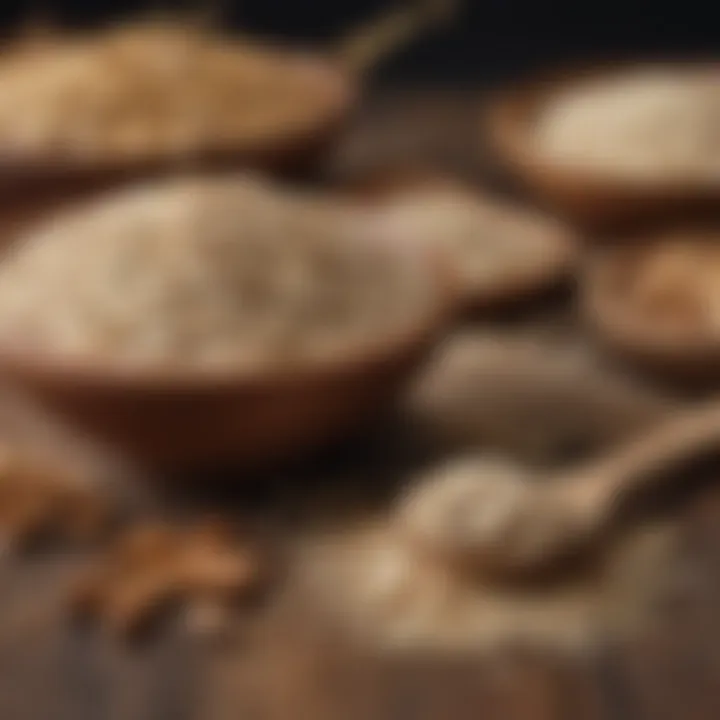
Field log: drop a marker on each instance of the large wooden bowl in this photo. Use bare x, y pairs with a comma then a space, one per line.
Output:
592, 199
177, 419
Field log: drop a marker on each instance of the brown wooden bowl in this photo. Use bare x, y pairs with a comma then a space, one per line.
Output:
670, 350
32, 186
173, 419
558, 262
594, 200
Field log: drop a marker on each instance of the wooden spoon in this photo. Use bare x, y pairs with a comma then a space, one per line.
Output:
495, 517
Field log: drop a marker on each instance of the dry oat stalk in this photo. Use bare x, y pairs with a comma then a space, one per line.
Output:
157, 565
370, 44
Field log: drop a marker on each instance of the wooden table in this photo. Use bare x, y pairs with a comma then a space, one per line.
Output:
284, 666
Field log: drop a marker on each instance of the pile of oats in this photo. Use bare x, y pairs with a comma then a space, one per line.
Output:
228, 272
152, 91
492, 246
647, 124
674, 281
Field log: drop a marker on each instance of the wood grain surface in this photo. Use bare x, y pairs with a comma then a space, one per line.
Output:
284, 664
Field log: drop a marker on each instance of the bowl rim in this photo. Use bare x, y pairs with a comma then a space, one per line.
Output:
508, 116
95, 371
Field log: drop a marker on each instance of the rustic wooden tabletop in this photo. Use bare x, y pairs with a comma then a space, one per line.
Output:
285, 665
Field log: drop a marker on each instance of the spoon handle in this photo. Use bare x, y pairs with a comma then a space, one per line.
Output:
598, 490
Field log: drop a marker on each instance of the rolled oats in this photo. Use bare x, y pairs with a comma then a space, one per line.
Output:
222, 273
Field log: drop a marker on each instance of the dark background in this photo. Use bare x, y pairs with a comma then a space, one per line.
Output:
492, 39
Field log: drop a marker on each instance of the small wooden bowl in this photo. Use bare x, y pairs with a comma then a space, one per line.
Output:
665, 350
593, 200
173, 419
558, 262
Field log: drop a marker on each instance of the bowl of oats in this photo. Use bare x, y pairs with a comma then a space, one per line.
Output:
616, 145
80, 112
222, 320
655, 301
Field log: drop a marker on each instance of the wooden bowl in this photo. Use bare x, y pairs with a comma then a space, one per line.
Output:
174, 420
667, 349
593, 200
34, 183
